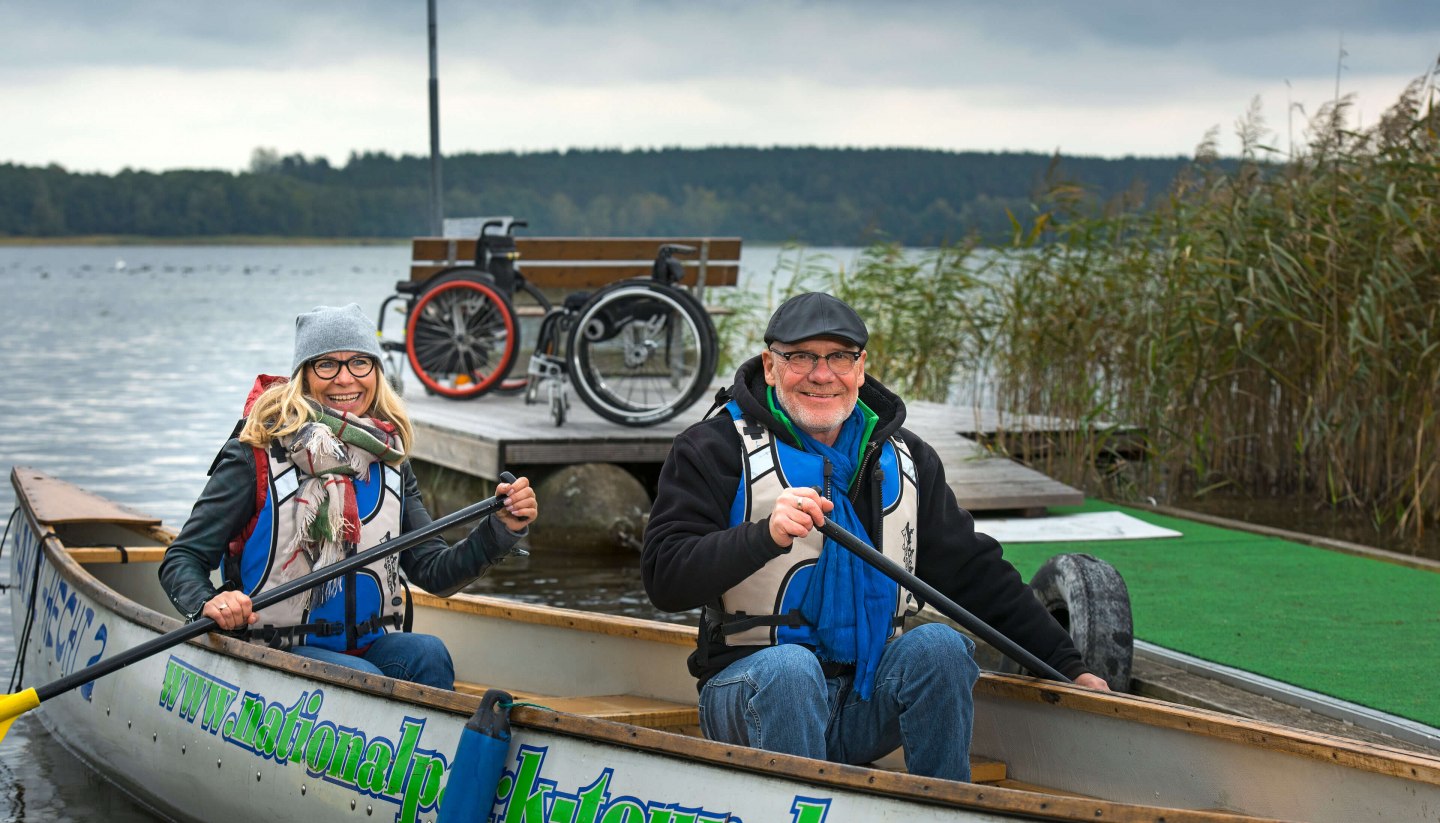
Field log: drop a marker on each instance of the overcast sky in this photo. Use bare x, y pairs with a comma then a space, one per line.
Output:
162, 84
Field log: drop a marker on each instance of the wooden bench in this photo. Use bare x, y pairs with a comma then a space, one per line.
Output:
651, 713
568, 264
982, 769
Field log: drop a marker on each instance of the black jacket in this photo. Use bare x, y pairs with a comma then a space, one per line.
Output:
692, 555
228, 502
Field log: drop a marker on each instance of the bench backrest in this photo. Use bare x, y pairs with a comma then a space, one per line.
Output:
575, 263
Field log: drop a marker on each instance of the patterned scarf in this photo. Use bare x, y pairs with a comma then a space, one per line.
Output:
329, 452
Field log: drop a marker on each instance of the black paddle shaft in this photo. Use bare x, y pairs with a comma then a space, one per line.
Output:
942, 604
277, 594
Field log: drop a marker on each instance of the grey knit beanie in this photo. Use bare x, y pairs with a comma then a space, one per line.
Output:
324, 329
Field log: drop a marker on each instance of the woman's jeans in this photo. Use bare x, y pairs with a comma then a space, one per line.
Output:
779, 699
419, 658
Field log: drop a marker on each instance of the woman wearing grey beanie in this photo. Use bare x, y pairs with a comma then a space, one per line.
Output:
317, 472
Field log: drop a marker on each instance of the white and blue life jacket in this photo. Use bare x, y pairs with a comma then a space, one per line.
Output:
368, 600
764, 608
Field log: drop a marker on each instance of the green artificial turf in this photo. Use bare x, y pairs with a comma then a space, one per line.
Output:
1355, 628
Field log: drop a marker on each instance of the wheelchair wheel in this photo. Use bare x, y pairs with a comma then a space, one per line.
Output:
519, 379
641, 352
460, 335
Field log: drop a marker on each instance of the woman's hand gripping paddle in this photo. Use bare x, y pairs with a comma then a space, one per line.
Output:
14, 705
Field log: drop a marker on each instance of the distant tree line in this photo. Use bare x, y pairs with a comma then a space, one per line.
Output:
811, 195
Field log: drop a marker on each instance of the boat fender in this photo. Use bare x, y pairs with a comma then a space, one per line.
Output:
479, 761
1088, 597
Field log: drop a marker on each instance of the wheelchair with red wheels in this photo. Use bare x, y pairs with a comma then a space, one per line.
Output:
461, 331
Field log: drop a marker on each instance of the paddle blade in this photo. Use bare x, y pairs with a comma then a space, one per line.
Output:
14, 705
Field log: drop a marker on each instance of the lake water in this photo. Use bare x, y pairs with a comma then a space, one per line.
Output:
125, 368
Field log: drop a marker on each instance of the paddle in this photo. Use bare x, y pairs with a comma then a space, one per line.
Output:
942, 604
14, 705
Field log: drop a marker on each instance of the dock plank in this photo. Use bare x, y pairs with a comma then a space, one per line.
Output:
484, 436
982, 481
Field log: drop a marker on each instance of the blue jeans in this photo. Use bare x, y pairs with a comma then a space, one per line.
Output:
779, 699
419, 658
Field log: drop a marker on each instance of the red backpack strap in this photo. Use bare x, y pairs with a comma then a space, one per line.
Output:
262, 462
262, 382
262, 490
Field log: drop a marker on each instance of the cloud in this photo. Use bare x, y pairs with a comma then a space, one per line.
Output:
157, 84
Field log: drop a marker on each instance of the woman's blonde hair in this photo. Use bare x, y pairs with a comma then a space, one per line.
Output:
283, 408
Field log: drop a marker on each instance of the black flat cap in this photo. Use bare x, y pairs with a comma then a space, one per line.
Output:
816, 314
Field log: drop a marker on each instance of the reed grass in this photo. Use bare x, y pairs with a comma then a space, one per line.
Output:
925, 331
1271, 328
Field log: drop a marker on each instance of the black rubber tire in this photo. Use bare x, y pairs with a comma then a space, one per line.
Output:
615, 379
712, 335
461, 364
1089, 599
559, 407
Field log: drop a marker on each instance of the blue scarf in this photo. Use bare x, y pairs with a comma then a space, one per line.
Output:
850, 604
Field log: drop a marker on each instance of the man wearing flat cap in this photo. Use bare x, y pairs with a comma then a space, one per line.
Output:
803, 647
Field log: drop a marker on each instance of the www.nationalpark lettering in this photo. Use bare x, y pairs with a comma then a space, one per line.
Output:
524, 797
400, 772
403, 773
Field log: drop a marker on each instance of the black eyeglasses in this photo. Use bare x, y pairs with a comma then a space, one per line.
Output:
326, 368
804, 362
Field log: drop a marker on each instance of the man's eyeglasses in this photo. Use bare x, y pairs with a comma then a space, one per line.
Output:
326, 368
804, 362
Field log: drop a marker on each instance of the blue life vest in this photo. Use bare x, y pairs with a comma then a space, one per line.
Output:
764, 608
369, 600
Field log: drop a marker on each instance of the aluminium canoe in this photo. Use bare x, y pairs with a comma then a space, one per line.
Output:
604, 730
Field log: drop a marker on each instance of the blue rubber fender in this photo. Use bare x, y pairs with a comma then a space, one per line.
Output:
479, 761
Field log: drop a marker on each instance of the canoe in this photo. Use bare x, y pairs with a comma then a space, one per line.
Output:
604, 726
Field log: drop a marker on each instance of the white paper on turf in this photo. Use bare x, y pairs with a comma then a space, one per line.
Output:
1070, 528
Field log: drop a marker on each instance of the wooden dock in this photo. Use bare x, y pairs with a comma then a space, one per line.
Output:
482, 437
982, 481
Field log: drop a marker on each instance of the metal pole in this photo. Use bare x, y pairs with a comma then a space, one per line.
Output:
437, 208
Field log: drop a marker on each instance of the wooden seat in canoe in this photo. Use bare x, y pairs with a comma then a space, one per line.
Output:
649, 712
982, 769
